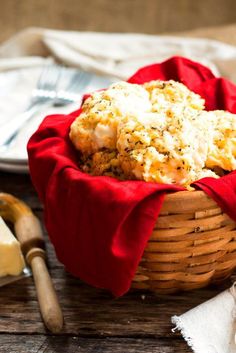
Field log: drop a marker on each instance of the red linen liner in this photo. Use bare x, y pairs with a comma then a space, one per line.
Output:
99, 225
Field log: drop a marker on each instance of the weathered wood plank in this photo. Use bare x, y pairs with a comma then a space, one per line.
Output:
52, 344
137, 322
89, 311
127, 316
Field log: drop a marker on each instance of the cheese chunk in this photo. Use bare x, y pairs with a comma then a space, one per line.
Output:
11, 259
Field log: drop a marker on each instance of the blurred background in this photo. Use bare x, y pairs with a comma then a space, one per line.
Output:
143, 16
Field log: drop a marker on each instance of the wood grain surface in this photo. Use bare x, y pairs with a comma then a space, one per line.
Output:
94, 320
42, 344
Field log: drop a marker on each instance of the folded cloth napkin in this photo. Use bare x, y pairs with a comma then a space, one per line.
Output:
113, 54
99, 225
211, 326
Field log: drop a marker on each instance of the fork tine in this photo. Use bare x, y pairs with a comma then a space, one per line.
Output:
44, 92
84, 81
80, 80
50, 77
41, 79
72, 84
47, 85
72, 92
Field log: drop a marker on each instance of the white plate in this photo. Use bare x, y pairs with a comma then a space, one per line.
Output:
15, 92
13, 160
14, 168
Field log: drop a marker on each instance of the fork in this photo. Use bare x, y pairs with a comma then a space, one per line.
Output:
54, 96
74, 89
44, 92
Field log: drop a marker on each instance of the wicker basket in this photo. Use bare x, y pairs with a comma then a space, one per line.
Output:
193, 243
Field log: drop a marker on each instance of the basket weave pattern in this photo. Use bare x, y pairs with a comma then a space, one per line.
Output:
193, 243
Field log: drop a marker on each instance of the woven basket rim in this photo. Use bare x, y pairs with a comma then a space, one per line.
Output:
187, 201
187, 193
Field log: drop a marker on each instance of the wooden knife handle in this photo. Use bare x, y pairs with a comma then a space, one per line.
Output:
29, 233
47, 298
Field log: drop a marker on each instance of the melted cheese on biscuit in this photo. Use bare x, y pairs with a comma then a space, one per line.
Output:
96, 126
222, 141
173, 151
157, 132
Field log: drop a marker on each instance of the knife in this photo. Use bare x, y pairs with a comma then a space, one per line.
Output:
29, 233
10, 279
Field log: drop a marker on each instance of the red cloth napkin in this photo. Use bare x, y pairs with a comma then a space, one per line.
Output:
99, 225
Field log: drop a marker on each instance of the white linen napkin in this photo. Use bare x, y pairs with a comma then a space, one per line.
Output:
114, 54
210, 327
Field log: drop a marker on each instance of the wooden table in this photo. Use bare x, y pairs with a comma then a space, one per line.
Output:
94, 321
